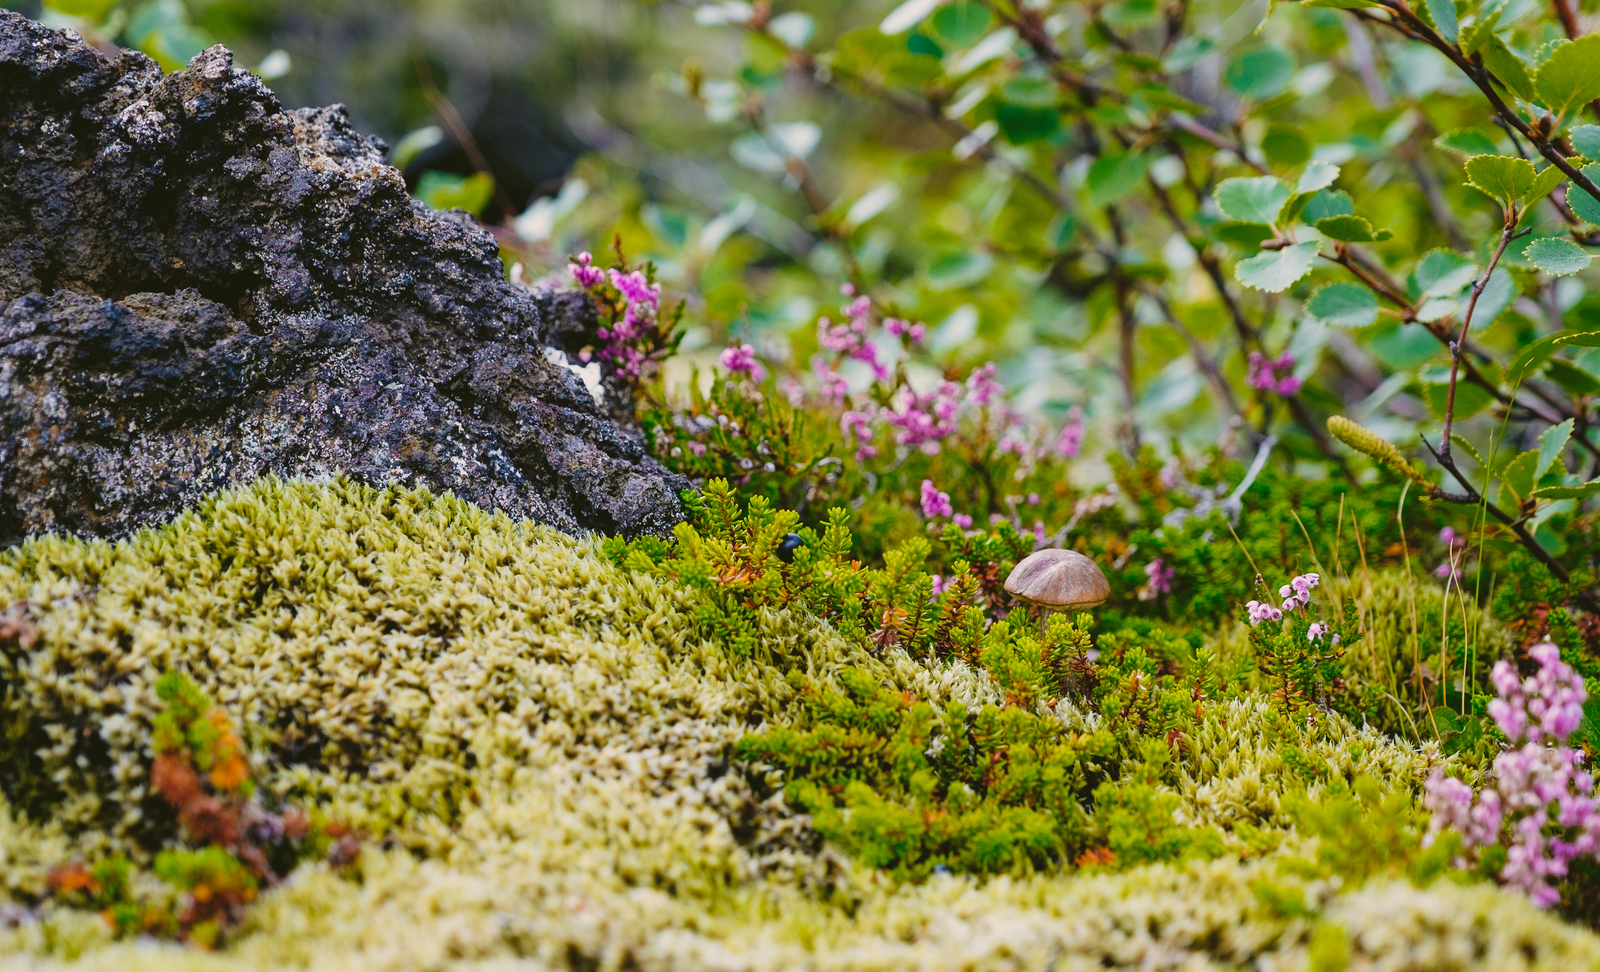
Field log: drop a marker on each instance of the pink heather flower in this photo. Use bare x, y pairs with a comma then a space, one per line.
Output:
636, 288
1038, 532
1537, 773
859, 424
1264, 373
848, 289
897, 327
832, 386
1159, 576
1262, 611
742, 360
961, 520
1317, 630
588, 277
934, 503
1033, 499
923, 420
1071, 439
698, 448
981, 386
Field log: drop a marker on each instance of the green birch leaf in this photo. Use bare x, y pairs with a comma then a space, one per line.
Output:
1508, 68
1467, 142
1586, 139
1467, 447
1557, 257
1547, 179
1501, 177
1569, 492
1586, 206
1570, 78
1276, 270
1444, 18
1317, 175
1347, 229
1519, 476
1344, 304
1551, 442
1256, 200
1540, 351
1114, 176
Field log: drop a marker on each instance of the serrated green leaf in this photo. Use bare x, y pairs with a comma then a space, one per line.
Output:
1253, 200
1444, 19
1317, 175
1477, 34
1518, 477
1467, 447
1261, 73
1539, 351
1557, 257
1586, 206
1285, 145
1157, 96
1508, 68
1344, 304
1551, 442
1325, 203
1347, 229
1276, 270
1442, 273
1570, 78
1586, 139
1247, 235
1547, 179
1114, 176
1501, 177
1568, 492
1467, 142
1572, 378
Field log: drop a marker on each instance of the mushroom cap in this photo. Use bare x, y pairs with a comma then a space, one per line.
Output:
1061, 580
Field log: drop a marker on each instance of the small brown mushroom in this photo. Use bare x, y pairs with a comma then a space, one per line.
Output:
1058, 580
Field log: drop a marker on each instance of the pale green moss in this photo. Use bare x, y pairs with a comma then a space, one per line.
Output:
543, 738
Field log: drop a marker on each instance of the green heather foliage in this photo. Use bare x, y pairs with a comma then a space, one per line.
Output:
561, 760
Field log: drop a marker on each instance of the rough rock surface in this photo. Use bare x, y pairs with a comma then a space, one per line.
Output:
198, 287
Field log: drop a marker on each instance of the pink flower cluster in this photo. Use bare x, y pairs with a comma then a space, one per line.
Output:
923, 420
851, 338
1295, 594
742, 360
860, 425
584, 271
1071, 440
1159, 576
1274, 375
641, 305
1539, 786
981, 386
896, 327
1454, 544
934, 503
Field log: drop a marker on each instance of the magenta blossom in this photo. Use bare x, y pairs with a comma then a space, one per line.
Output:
588, 277
981, 386
1541, 803
1159, 576
742, 360
860, 424
897, 327
1262, 611
934, 503
961, 520
1071, 440
1274, 375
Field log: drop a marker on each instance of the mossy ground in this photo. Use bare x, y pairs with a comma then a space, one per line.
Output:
537, 746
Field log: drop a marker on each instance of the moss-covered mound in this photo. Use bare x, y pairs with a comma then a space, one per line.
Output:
538, 747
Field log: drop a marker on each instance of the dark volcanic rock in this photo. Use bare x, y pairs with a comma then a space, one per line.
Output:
198, 287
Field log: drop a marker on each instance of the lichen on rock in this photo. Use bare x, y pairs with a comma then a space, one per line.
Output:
538, 746
198, 288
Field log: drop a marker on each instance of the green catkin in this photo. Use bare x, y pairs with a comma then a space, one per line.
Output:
1372, 444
